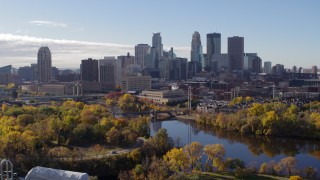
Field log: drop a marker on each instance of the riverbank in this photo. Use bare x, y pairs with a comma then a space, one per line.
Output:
230, 175
186, 117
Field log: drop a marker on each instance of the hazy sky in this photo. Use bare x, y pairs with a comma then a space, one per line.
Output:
281, 31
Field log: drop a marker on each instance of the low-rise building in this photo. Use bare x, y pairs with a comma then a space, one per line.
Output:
164, 96
136, 83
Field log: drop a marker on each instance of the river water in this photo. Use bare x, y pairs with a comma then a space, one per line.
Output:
252, 149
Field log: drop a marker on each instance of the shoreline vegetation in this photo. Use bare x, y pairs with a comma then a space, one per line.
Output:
269, 119
92, 138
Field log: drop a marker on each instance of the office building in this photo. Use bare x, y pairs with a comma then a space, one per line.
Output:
110, 70
219, 63
178, 69
136, 83
252, 63
157, 44
151, 58
236, 52
213, 45
164, 96
44, 64
89, 70
125, 62
140, 52
196, 49
267, 67
26, 73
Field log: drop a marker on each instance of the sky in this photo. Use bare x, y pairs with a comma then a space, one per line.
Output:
281, 31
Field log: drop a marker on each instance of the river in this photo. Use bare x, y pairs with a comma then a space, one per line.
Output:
252, 149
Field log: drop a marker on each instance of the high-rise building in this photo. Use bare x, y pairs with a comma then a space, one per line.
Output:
252, 62
178, 69
151, 58
89, 70
314, 70
294, 69
109, 69
157, 44
213, 45
236, 52
125, 62
219, 63
26, 73
267, 67
140, 51
196, 49
44, 64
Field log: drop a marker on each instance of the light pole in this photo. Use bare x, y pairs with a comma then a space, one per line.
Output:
189, 99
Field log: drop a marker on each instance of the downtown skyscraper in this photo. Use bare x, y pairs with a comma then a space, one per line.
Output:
44, 65
213, 45
236, 53
140, 52
157, 44
196, 49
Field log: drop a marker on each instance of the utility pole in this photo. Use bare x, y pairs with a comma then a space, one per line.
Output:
273, 91
189, 99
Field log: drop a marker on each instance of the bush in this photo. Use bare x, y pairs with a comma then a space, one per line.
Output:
295, 178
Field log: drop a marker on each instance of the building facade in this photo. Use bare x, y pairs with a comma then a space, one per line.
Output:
140, 52
213, 44
136, 83
178, 68
157, 44
236, 51
44, 64
267, 67
196, 49
89, 70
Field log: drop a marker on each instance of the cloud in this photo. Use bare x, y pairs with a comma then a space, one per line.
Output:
22, 50
49, 24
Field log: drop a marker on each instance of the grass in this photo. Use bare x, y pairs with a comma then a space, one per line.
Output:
228, 175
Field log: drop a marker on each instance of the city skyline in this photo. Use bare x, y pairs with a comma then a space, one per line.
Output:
281, 32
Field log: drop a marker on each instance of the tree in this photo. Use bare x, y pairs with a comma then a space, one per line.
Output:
113, 136
11, 86
177, 160
138, 172
263, 168
25, 119
159, 144
310, 172
158, 169
234, 163
127, 102
194, 153
288, 164
215, 154
4, 107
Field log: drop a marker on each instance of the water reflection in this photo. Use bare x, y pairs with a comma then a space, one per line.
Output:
249, 148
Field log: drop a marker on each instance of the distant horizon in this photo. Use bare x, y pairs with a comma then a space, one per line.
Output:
282, 32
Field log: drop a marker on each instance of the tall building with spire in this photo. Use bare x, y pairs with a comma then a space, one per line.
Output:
196, 49
44, 64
